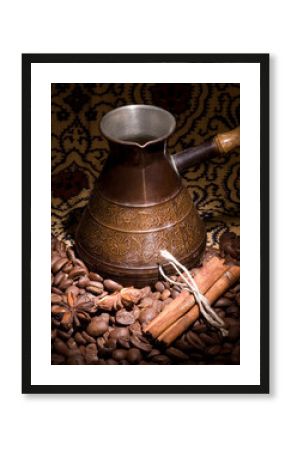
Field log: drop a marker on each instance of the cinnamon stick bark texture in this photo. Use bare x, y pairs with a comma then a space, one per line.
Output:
183, 302
226, 280
205, 278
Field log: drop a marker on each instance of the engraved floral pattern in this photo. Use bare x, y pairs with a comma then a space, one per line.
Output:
139, 218
122, 247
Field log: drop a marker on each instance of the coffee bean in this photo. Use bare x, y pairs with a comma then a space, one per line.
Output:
83, 281
196, 356
234, 333
65, 334
227, 348
77, 272
230, 322
97, 327
158, 305
161, 359
155, 295
221, 313
173, 277
109, 302
165, 294
97, 284
70, 254
199, 327
112, 320
79, 262
60, 276
223, 302
174, 293
229, 295
124, 342
65, 283
146, 302
207, 340
54, 257
111, 285
76, 359
215, 335
80, 339
134, 355
87, 337
95, 277
120, 354
236, 288
109, 346
119, 332
183, 344
135, 328
100, 342
54, 333
105, 316
55, 322
57, 359
194, 339
154, 352
145, 292
233, 310
214, 350
124, 317
175, 353
146, 347
136, 312
60, 346
56, 298
111, 362
147, 315
58, 264
131, 294
94, 290
71, 343
91, 354
159, 286
67, 267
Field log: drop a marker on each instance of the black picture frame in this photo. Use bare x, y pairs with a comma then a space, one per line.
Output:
27, 61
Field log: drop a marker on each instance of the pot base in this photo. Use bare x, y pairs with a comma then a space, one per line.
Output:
137, 277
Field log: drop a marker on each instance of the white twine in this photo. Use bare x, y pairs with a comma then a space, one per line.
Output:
206, 310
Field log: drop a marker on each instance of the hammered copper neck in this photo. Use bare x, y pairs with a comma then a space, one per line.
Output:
135, 176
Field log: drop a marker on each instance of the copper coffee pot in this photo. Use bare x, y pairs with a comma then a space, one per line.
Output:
139, 205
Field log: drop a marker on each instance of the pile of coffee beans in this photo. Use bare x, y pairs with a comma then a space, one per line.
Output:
98, 321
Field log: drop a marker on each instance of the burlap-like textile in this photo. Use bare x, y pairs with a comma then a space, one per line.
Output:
79, 150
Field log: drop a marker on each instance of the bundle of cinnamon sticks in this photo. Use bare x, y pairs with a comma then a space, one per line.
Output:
213, 279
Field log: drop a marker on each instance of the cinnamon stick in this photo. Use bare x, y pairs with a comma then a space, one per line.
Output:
180, 305
181, 325
205, 278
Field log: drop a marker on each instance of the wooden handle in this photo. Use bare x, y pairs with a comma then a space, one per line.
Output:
221, 144
226, 142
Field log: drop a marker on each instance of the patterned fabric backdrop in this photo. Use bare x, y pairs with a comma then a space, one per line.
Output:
79, 150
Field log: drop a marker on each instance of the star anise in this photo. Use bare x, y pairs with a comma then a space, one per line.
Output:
73, 309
